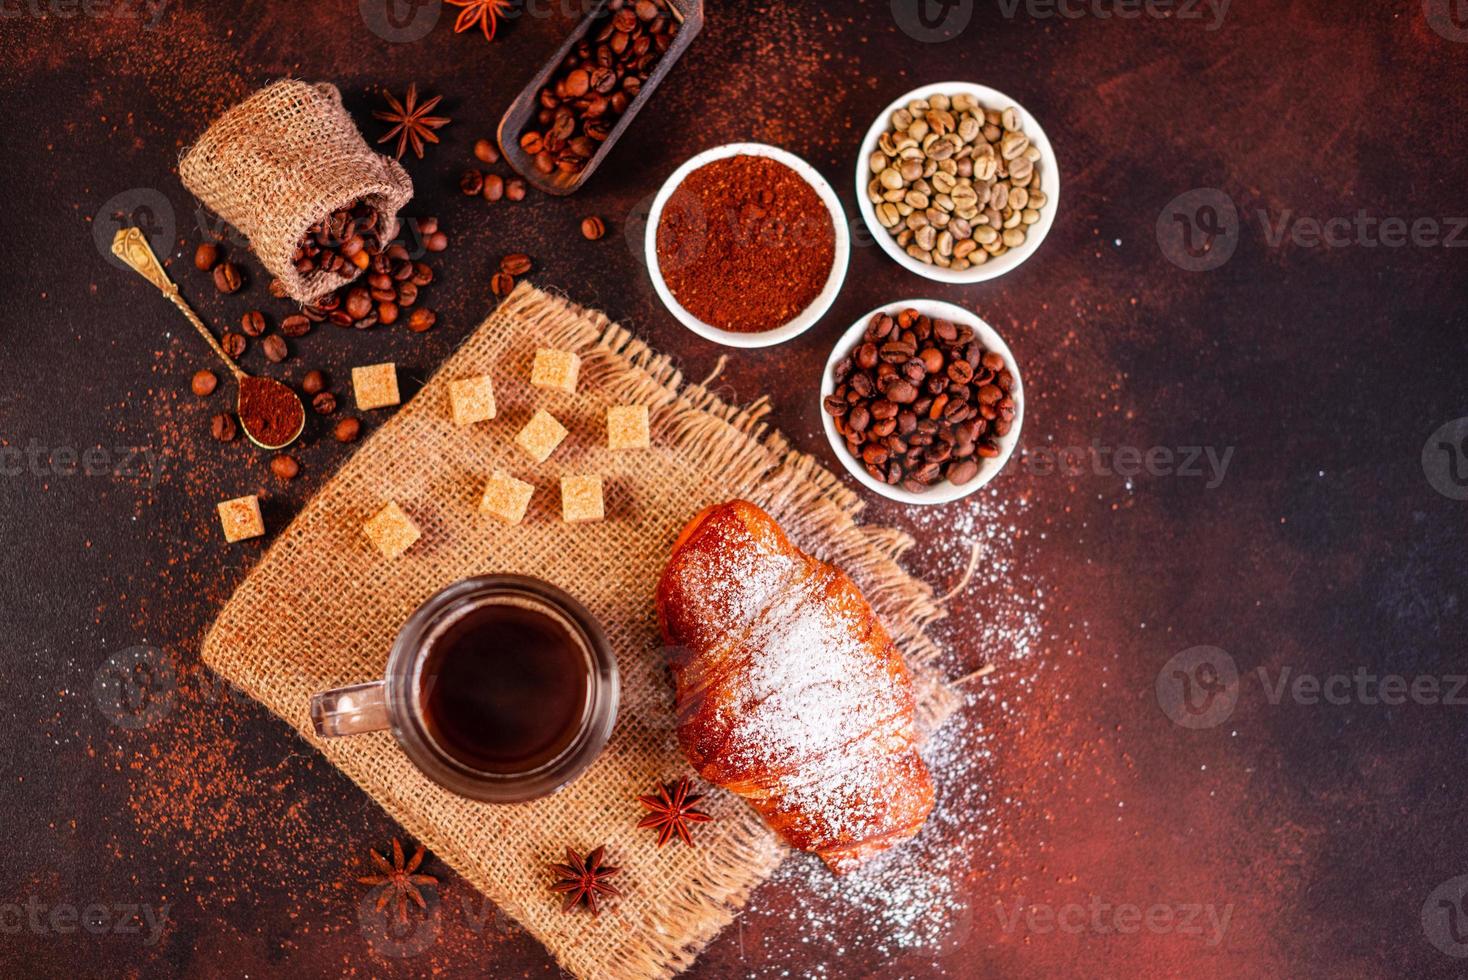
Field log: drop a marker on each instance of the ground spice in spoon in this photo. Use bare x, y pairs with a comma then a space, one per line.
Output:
269, 411
745, 244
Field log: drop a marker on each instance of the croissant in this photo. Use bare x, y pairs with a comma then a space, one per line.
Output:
789, 691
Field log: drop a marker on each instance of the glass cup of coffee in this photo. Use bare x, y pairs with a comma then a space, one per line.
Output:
501, 688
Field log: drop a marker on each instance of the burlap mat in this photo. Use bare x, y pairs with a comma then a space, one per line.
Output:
322, 608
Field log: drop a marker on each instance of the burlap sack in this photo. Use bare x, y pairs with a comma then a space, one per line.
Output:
282, 160
322, 607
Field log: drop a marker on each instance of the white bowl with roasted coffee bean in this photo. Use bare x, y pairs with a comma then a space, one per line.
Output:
922, 402
957, 182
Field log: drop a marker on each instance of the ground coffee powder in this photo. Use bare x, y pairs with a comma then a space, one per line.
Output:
745, 244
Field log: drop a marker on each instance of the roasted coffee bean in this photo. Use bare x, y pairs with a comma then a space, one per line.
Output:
436, 241
421, 319
223, 427
252, 324
516, 264
205, 256
486, 152
902, 391
284, 467
407, 294
234, 344
990, 394
203, 383
988, 448
493, 187
471, 183
835, 406
313, 382
277, 289
593, 228
358, 303
323, 402
896, 352
960, 372
858, 418
295, 325
387, 313
227, 278
422, 274
932, 359
501, 284
274, 348
962, 472
347, 430
993, 361
515, 189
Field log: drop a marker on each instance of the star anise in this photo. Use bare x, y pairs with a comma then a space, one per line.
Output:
397, 881
672, 811
485, 13
412, 122
581, 881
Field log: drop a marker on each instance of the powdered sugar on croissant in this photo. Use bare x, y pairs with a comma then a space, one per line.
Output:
790, 693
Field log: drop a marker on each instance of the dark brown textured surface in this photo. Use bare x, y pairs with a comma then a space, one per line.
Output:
1325, 548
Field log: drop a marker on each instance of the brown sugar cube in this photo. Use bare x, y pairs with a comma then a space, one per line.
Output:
541, 435
391, 530
471, 400
627, 427
506, 498
376, 385
241, 518
581, 499
555, 369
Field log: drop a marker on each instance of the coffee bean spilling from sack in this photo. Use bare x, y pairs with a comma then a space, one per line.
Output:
921, 400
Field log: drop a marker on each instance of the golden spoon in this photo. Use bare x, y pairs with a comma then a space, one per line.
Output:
130, 246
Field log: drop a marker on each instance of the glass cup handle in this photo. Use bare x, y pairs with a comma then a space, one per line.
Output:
351, 710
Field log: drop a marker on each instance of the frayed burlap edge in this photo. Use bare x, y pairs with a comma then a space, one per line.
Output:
739, 455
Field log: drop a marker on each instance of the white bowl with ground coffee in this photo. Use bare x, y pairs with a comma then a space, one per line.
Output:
747, 245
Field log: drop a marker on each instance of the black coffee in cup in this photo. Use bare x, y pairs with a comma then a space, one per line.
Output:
501, 688
504, 686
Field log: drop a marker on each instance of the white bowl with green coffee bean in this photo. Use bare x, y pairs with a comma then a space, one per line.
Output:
957, 182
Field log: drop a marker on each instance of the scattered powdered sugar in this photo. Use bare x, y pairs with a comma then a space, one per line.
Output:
915, 909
